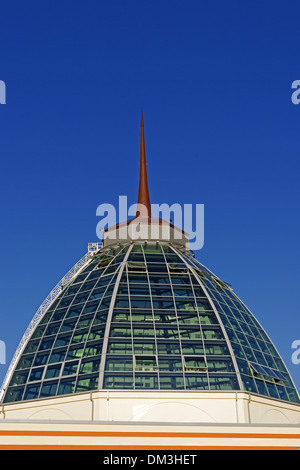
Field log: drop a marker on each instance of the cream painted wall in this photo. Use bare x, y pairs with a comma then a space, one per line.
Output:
161, 407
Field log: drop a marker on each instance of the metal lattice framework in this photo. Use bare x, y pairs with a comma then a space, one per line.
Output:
144, 315
92, 248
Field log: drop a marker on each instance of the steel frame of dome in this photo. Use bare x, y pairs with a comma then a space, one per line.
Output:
174, 334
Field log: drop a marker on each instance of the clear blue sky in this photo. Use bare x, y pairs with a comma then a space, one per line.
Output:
214, 80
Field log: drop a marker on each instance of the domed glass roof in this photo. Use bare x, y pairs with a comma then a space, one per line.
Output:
144, 315
148, 316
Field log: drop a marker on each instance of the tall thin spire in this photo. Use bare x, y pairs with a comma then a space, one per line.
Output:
144, 210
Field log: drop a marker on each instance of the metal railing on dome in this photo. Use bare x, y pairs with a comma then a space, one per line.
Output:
92, 248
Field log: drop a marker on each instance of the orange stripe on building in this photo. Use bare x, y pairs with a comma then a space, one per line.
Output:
148, 434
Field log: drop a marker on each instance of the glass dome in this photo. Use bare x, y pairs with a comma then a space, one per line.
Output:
147, 316
144, 315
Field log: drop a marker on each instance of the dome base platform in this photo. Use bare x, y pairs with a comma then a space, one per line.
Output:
151, 420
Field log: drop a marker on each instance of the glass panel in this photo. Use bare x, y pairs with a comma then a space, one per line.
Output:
272, 390
25, 362
120, 332
138, 303
119, 347
135, 278
261, 387
53, 371
66, 386
32, 392
93, 348
168, 347
220, 365
168, 333
194, 363
216, 347
157, 268
145, 363
163, 316
36, 374
88, 366
70, 368
19, 378
143, 332
48, 389
13, 394
38, 332
74, 311
118, 381
148, 248
223, 382
144, 348
145, 382
47, 343
41, 359
196, 382
87, 382
180, 279
158, 279
169, 364
62, 340
249, 384
57, 356
80, 337
142, 317
31, 346
188, 319
171, 382
118, 364
192, 348
186, 333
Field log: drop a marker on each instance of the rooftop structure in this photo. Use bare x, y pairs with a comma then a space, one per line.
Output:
145, 316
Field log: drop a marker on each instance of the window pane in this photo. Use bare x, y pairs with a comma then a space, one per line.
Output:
88, 366
19, 378
48, 389
32, 392
66, 386
53, 371
223, 383
36, 374
196, 382
119, 364
70, 368
87, 382
170, 364
146, 381
171, 382
145, 363
118, 381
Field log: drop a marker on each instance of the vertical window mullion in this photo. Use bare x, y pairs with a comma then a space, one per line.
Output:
175, 308
200, 326
153, 319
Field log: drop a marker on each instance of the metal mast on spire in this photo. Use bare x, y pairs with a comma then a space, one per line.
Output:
144, 205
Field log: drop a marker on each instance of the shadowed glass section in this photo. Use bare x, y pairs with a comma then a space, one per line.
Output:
63, 354
154, 320
251, 346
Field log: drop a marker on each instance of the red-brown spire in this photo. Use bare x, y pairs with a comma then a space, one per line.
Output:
144, 210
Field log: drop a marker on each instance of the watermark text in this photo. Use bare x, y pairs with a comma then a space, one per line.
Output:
2, 352
296, 94
176, 221
2, 92
296, 353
